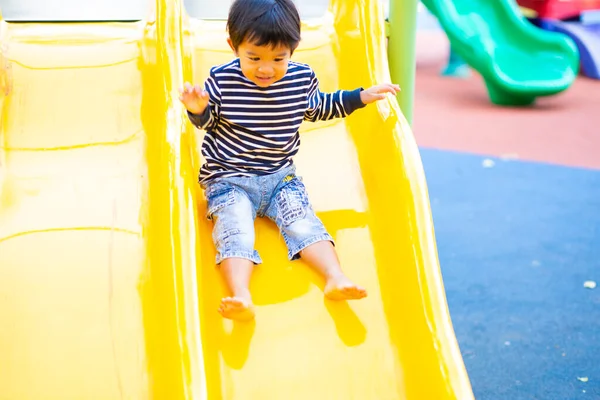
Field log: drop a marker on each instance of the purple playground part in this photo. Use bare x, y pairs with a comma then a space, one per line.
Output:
587, 38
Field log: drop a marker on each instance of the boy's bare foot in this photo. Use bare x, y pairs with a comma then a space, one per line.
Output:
342, 288
237, 308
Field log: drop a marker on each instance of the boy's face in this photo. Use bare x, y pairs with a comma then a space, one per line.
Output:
263, 65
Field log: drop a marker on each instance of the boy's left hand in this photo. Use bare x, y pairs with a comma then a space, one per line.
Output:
378, 92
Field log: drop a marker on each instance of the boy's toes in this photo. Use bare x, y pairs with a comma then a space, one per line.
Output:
236, 308
344, 291
354, 292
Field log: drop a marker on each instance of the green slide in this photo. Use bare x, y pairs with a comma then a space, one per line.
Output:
517, 60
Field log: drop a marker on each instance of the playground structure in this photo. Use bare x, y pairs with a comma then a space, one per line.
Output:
560, 9
570, 18
518, 61
587, 38
108, 283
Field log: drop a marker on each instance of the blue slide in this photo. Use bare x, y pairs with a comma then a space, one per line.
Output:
587, 38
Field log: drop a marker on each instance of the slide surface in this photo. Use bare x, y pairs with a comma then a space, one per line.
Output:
587, 38
108, 283
517, 60
95, 262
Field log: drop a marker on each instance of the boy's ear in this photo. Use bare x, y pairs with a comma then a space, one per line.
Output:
230, 43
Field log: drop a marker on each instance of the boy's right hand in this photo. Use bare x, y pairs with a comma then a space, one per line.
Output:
194, 98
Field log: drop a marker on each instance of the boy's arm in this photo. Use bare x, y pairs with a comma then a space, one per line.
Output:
325, 106
209, 119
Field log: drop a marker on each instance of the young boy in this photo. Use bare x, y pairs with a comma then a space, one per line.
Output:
251, 109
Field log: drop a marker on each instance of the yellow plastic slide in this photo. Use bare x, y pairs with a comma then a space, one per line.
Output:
108, 288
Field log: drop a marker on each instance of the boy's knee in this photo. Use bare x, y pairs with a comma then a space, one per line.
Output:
234, 238
301, 228
233, 233
293, 205
233, 214
295, 215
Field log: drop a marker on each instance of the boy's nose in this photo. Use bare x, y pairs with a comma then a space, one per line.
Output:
263, 69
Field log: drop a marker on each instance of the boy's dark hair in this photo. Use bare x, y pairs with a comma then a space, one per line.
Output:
264, 22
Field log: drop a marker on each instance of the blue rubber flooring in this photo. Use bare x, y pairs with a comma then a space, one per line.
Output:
516, 243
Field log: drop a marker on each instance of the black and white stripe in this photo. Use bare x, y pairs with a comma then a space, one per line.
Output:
254, 131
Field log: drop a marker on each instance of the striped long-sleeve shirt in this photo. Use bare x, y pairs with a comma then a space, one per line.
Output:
252, 130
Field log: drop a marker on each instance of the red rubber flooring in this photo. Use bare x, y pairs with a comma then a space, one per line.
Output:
456, 114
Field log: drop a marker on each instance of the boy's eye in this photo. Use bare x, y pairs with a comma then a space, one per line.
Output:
278, 59
254, 58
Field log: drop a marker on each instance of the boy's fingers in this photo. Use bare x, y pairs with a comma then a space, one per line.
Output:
385, 89
392, 86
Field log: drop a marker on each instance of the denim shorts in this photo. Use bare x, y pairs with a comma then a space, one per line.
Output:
234, 203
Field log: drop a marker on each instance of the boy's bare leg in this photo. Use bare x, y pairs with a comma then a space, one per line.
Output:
237, 272
322, 257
